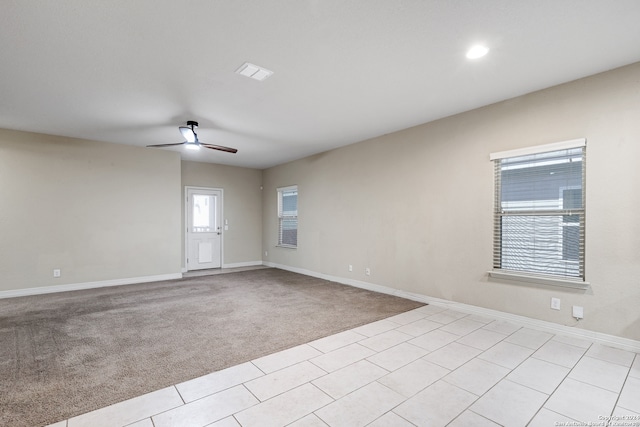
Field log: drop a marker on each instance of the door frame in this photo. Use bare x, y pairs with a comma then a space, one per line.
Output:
185, 224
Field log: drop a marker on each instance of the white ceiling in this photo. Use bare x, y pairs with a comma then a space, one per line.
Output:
132, 71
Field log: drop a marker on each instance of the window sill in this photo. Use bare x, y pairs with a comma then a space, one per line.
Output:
287, 246
539, 279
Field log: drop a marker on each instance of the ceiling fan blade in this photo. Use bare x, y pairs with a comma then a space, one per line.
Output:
219, 147
188, 134
166, 145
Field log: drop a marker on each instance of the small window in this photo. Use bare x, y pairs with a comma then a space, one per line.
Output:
539, 216
288, 217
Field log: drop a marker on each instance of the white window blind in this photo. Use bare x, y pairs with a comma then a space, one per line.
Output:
288, 216
539, 217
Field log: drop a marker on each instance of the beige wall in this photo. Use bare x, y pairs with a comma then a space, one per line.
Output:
242, 207
415, 206
96, 211
103, 212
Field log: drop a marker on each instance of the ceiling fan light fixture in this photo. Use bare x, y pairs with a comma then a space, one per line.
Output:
188, 133
192, 146
477, 51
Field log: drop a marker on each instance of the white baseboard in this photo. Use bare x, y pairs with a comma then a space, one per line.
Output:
242, 264
234, 265
86, 285
540, 325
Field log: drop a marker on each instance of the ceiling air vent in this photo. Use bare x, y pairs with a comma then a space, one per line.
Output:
254, 71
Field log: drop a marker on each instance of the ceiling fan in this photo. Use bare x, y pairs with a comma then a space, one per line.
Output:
192, 141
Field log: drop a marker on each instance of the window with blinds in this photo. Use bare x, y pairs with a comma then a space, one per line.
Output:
539, 217
288, 216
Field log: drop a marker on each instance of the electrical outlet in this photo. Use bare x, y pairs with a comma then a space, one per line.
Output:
266, 253
350, 267
367, 271
555, 303
56, 272
578, 312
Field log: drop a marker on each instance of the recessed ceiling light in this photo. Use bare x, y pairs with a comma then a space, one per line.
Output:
254, 71
477, 51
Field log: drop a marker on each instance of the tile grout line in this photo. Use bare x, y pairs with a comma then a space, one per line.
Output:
400, 416
351, 364
584, 354
615, 405
531, 356
480, 415
324, 406
175, 386
261, 370
468, 408
450, 371
561, 382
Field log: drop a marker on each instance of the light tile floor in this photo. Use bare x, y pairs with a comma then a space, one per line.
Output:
427, 367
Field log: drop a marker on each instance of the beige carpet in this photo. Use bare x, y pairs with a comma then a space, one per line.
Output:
65, 354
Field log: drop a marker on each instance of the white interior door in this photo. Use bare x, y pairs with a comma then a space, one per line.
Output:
204, 232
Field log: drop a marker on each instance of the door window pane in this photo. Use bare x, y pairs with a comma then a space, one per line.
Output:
204, 213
